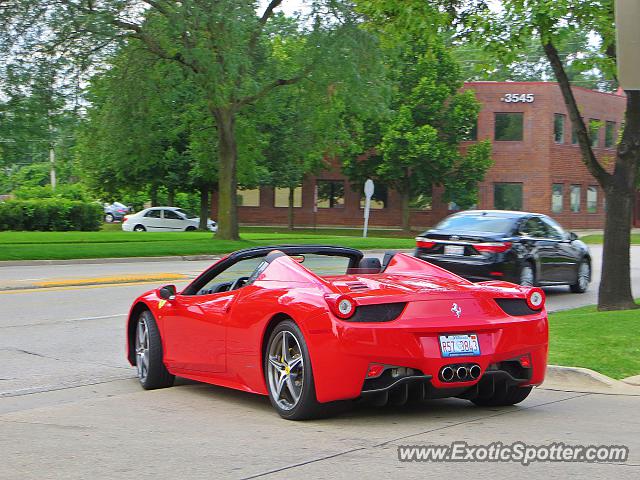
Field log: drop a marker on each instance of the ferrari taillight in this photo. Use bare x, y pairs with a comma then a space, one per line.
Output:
341, 306
492, 247
422, 242
535, 298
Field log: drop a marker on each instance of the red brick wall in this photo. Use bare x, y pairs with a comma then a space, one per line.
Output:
536, 161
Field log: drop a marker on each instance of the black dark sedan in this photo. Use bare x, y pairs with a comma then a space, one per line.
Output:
519, 247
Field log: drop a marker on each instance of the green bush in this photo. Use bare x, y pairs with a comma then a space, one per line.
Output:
50, 214
70, 191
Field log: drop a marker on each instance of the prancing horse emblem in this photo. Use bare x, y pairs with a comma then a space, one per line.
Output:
455, 308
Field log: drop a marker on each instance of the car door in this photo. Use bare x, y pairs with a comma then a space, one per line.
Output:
152, 220
195, 327
173, 221
533, 234
566, 256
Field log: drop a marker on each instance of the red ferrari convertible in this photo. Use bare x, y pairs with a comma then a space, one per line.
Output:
311, 325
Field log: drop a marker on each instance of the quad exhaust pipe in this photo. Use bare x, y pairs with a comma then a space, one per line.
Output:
460, 373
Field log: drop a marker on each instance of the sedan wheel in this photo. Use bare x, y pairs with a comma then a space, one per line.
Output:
527, 276
139, 228
583, 279
148, 350
289, 376
109, 218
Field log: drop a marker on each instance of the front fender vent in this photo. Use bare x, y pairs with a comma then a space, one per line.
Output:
356, 286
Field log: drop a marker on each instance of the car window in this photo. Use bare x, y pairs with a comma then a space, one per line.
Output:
243, 268
171, 215
186, 213
555, 231
533, 228
152, 214
477, 223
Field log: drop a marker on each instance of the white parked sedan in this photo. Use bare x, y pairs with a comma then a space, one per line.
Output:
164, 219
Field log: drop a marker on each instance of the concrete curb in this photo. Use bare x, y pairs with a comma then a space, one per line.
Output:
578, 379
84, 261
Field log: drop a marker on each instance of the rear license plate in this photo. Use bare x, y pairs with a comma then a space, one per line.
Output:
459, 345
454, 249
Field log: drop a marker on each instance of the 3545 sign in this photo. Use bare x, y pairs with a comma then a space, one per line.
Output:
518, 98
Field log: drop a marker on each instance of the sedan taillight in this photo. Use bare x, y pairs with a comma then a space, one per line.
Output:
422, 242
492, 247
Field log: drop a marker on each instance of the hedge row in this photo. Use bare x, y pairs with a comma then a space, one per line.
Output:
50, 214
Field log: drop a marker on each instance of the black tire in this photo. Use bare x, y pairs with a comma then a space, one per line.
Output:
156, 374
583, 277
527, 275
307, 406
109, 218
190, 229
139, 228
503, 396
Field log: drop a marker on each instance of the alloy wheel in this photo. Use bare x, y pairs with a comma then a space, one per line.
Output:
526, 277
286, 370
584, 276
142, 349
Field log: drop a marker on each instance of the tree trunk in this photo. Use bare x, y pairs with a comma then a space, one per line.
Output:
615, 284
204, 207
153, 194
406, 199
227, 174
290, 212
171, 196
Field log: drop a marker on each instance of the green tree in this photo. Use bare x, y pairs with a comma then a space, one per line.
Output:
552, 22
223, 46
419, 142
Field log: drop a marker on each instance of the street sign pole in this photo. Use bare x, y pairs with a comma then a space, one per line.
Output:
368, 193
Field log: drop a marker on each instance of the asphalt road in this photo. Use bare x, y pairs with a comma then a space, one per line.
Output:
70, 408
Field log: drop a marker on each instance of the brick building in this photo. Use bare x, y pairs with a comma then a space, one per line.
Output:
537, 167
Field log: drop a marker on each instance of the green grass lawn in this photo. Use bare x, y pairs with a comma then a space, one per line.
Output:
112, 242
607, 342
597, 239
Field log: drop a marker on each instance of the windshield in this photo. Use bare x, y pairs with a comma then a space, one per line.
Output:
186, 213
477, 223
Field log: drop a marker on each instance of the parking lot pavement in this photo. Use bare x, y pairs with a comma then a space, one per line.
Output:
198, 431
70, 408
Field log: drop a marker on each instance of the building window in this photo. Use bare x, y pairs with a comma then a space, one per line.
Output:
330, 193
592, 199
558, 127
575, 198
610, 134
281, 197
508, 127
557, 197
378, 200
249, 198
594, 132
507, 196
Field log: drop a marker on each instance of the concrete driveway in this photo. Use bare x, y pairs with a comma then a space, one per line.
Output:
70, 408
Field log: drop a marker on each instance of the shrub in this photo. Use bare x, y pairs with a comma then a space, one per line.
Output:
70, 191
50, 214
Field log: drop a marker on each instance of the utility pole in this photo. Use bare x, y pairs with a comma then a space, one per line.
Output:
52, 159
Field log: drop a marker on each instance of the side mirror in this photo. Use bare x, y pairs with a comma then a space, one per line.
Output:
168, 292
572, 237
